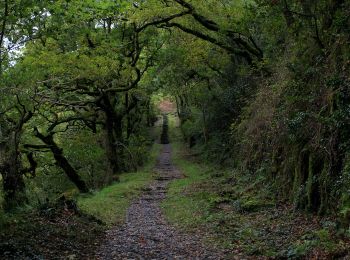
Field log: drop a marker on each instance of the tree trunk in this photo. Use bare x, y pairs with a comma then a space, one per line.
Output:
128, 117
205, 129
110, 140
13, 182
288, 15
62, 162
111, 152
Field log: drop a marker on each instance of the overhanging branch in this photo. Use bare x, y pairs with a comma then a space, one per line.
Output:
162, 20
210, 39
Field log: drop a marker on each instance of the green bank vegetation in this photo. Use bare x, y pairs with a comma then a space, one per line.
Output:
240, 213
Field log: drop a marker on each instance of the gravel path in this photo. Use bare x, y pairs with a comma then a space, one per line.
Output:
146, 234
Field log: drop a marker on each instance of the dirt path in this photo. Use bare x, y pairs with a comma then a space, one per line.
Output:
146, 234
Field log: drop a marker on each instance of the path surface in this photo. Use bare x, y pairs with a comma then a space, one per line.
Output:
146, 234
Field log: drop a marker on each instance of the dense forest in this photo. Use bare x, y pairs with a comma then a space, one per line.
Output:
260, 90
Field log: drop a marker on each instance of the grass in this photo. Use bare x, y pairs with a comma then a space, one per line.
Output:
111, 203
184, 209
180, 208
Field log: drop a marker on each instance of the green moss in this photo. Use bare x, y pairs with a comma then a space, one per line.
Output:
254, 204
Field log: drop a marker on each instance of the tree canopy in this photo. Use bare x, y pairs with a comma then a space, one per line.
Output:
260, 85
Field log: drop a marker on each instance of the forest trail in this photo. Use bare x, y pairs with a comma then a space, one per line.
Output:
146, 234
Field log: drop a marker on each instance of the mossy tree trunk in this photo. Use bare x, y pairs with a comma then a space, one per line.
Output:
110, 140
10, 159
13, 181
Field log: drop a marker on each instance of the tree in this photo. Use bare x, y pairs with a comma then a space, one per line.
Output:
17, 26
188, 19
85, 76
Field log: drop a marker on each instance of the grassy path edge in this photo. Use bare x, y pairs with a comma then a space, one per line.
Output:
185, 206
111, 203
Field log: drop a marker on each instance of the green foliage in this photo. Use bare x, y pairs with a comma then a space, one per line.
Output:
259, 85
317, 239
305, 91
72, 79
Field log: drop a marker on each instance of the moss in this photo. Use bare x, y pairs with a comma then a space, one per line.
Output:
255, 204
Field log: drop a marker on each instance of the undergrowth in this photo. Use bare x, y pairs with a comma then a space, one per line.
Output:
238, 212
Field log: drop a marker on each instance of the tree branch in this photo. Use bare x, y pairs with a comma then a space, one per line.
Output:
210, 39
236, 37
2, 33
162, 20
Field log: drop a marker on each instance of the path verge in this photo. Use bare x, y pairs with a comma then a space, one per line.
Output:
146, 234
236, 211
